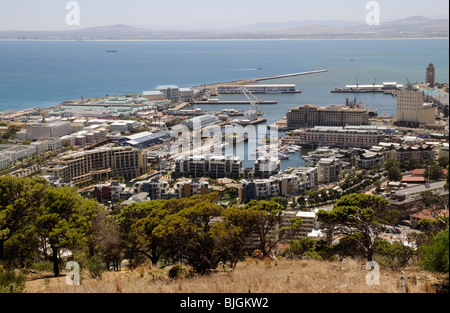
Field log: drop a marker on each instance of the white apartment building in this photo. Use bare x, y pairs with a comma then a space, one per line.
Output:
5, 161
15, 152
266, 166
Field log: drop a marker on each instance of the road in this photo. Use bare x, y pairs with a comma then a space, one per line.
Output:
419, 189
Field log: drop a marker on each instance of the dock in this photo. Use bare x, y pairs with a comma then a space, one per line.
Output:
290, 75
222, 102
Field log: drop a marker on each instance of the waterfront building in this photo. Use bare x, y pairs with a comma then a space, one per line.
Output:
202, 120
153, 95
411, 108
235, 89
170, 92
266, 166
37, 131
338, 137
334, 115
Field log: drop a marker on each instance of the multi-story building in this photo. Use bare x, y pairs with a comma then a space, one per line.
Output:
191, 187
99, 164
5, 161
123, 126
156, 188
37, 131
339, 137
411, 108
213, 166
369, 159
15, 152
334, 115
431, 75
307, 175
328, 170
234, 89
170, 92
266, 166
202, 121
404, 153
48, 145
112, 191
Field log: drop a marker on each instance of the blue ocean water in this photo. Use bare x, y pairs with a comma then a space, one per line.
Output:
45, 73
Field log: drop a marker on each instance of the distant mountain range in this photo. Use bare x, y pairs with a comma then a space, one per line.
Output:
412, 27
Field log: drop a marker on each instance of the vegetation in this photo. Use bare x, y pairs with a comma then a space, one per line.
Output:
41, 227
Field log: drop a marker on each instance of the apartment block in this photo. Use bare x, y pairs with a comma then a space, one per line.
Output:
99, 164
208, 166
37, 131
110, 192
191, 187
266, 166
156, 188
328, 170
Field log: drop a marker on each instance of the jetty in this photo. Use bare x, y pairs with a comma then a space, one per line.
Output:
232, 102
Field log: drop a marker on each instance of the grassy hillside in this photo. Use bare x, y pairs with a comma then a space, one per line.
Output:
283, 276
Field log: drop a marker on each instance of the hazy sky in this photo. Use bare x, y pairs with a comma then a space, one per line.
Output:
51, 14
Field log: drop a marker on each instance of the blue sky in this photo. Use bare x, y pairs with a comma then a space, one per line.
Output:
51, 14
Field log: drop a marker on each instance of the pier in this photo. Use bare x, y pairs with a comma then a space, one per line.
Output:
290, 75
232, 102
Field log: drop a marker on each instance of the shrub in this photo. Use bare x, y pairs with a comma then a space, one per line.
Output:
10, 278
176, 271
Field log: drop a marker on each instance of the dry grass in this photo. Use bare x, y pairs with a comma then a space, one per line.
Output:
284, 276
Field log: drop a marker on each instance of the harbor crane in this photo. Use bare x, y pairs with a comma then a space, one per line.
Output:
254, 103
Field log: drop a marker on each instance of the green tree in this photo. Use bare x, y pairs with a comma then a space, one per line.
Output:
433, 172
393, 255
443, 162
190, 231
305, 247
20, 199
393, 169
433, 256
359, 213
57, 221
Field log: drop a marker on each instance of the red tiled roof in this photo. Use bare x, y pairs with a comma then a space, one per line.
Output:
414, 179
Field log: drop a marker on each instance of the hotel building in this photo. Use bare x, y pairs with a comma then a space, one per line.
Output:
334, 115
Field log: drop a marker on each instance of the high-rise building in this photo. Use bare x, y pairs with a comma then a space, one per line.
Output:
431, 74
